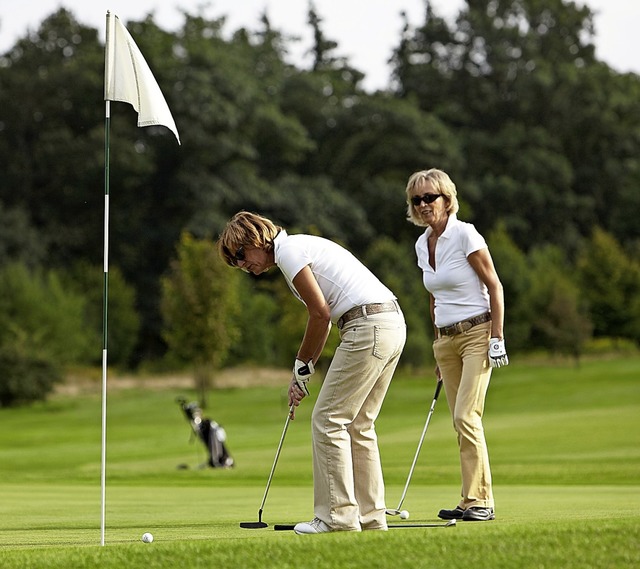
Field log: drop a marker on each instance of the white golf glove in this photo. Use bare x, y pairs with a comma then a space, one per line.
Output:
302, 372
497, 353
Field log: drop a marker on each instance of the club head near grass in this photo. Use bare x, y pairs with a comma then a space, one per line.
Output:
260, 524
253, 525
392, 512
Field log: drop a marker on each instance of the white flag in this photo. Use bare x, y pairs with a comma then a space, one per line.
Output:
127, 78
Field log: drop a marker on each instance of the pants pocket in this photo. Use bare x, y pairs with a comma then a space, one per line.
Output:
385, 341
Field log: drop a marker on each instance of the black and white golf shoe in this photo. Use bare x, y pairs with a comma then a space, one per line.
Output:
476, 514
455, 514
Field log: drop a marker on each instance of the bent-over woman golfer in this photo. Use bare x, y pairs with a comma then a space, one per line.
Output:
335, 288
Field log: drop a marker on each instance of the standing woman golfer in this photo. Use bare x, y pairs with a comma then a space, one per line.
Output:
336, 288
467, 312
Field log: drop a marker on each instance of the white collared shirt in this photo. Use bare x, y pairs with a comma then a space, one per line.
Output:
458, 291
344, 281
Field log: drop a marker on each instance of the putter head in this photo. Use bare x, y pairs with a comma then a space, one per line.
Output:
392, 512
253, 525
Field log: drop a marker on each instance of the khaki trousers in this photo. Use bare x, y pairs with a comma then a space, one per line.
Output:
465, 371
347, 473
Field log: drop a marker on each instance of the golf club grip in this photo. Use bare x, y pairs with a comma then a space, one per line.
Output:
438, 388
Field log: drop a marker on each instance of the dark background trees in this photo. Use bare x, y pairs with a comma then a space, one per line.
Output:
541, 138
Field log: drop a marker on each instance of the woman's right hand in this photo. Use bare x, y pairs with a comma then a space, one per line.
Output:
296, 395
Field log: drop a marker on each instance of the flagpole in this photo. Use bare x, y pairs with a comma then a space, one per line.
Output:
105, 297
105, 303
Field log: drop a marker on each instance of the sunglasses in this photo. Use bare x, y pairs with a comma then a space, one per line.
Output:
426, 198
239, 254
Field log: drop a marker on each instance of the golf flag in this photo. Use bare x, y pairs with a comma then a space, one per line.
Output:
128, 79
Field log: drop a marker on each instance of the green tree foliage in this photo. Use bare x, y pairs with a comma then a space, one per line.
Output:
610, 281
540, 137
37, 310
52, 118
379, 144
516, 276
123, 320
200, 305
19, 240
560, 320
51, 145
257, 321
539, 118
42, 331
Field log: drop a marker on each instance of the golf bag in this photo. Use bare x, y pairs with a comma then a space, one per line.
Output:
212, 435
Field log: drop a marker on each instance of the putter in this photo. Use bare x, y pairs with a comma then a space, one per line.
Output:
397, 511
287, 527
260, 524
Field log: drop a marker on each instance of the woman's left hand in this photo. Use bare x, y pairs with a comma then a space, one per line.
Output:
497, 353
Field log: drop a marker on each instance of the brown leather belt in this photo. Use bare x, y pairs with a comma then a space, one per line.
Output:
460, 327
364, 310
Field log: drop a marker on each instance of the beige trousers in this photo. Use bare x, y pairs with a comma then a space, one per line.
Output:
465, 370
347, 473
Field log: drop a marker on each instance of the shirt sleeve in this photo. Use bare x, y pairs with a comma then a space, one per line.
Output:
471, 240
292, 260
422, 252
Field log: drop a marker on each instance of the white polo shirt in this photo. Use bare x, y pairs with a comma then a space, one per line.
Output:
344, 281
458, 291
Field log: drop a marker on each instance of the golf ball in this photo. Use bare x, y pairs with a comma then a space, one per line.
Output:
147, 537
404, 515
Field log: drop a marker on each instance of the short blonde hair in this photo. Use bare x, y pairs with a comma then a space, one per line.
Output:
246, 229
442, 184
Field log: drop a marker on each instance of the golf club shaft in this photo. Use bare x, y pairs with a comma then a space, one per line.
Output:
424, 432
275, 460
434, 525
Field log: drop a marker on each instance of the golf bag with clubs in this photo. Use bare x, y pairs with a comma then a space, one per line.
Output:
211, 434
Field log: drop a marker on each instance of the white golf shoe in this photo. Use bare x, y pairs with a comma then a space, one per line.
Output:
316, 525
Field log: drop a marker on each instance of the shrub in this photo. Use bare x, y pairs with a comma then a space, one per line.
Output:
37, 310
25, 376
42, 330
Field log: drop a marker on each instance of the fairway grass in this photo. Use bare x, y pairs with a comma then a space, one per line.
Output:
564, 443
551, 526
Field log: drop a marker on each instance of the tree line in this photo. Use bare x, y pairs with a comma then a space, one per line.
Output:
540, 137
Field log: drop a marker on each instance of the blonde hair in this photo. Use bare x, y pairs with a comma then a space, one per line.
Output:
441, 183
246, 229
